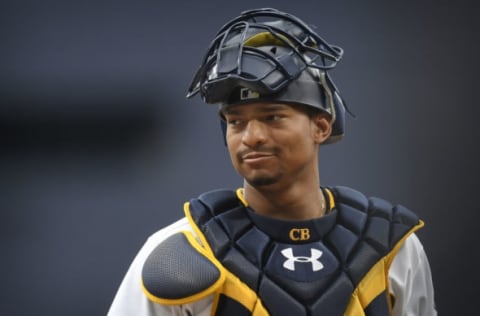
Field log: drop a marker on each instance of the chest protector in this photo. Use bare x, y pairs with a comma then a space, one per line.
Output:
252, 265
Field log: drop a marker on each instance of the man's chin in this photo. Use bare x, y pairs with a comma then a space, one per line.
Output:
262, 181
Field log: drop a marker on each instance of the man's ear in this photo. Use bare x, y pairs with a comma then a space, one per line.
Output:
322, 127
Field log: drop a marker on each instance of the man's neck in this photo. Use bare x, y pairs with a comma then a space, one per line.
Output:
297, 202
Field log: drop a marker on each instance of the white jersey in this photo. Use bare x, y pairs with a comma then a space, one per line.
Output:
409, 276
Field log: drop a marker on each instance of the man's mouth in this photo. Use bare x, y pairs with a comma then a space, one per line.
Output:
256, 156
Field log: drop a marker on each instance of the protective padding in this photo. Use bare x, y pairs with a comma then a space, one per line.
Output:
356, 252
178, 271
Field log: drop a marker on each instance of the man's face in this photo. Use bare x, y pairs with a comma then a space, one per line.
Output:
273, 144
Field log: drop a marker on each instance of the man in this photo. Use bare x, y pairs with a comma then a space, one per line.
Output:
283, 244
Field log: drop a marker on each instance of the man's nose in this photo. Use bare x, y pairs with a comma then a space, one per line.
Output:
254, 134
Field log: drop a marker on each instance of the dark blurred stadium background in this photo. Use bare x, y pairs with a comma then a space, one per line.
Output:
100, 148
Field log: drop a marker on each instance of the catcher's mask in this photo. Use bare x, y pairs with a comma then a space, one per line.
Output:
265, 55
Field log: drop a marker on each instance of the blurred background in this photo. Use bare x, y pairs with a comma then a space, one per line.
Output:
100, 148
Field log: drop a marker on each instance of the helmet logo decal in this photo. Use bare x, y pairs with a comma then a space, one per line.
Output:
247, 94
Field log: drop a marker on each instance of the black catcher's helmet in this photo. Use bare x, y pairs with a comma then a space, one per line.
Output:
269, 55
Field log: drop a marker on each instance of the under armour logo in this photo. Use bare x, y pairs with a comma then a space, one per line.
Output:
313, 259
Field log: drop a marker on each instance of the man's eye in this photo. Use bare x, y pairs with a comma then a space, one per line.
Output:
273, 118
233, 122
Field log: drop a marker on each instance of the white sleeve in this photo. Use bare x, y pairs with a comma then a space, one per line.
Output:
130, 299
411, 281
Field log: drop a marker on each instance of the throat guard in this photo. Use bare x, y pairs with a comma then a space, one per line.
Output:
334, 265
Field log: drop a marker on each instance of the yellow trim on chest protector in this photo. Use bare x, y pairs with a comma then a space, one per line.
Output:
226, 283
232, 287
376, 281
